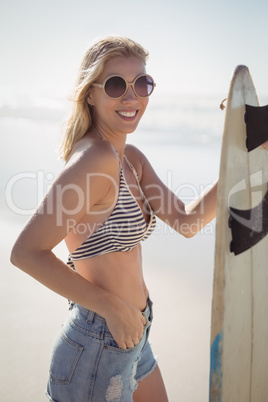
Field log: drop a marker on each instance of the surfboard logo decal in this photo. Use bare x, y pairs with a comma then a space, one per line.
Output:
249, 226
256, 119
216, 369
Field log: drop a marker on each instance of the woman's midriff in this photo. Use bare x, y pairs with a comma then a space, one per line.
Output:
119, 273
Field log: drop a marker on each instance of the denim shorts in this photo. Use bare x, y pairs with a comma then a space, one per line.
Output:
87, 364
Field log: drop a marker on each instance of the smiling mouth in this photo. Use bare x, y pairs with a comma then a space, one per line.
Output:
128, 114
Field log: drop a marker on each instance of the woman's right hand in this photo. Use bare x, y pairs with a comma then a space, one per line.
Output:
126, 324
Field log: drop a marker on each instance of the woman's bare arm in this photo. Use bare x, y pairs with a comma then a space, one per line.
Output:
49, 225
185, 219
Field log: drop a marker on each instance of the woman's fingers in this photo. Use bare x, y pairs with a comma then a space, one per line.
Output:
143, 320
126, 326
130, 343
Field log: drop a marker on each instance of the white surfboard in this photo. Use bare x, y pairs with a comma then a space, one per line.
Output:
239, 332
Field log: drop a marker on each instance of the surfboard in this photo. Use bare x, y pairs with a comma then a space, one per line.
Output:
239, 323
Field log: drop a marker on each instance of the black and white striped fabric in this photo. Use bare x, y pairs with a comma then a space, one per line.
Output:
124, 229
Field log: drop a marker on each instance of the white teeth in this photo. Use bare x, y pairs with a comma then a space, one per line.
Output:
127, 114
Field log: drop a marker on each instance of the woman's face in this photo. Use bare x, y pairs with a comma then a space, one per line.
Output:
122, 115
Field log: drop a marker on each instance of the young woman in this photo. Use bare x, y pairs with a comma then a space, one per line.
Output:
103, 204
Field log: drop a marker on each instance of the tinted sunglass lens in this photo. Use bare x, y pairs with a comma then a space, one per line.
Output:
115, 87
144, 86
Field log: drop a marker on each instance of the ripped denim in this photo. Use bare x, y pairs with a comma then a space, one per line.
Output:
88, 366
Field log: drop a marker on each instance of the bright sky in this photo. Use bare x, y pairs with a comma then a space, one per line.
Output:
194, 45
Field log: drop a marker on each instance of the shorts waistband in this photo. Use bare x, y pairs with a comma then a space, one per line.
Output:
91, 315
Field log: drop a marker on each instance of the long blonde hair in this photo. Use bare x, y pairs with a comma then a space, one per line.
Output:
92, 65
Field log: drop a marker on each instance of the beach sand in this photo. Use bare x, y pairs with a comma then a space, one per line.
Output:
178, 273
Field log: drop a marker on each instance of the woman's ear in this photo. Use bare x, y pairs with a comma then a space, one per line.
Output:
90, 100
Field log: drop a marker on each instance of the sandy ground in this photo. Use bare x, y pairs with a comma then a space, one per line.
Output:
179, 276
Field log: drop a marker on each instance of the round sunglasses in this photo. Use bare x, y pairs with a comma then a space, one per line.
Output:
116, 86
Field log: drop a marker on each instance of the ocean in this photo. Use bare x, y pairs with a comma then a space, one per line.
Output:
181, 136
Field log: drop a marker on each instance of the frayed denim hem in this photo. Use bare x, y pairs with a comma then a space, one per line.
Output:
148, 372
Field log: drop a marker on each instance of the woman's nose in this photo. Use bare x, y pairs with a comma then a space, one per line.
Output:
130, 95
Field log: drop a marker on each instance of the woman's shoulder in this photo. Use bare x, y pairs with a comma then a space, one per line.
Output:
136, 157
93, 155
135, 154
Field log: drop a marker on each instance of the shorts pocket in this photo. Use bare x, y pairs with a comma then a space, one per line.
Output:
65, 356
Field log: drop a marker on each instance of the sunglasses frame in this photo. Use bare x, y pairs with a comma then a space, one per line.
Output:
128, 84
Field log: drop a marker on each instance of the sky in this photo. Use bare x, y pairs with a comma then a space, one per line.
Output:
194, 45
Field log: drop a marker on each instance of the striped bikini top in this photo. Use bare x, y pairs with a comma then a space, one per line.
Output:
123, 229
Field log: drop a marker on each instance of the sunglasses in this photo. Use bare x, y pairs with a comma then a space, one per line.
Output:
116, 86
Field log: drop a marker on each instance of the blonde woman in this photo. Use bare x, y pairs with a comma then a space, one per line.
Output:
103, 204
